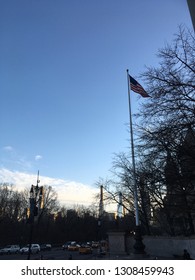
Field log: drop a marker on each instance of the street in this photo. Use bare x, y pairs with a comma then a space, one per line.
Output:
54, 254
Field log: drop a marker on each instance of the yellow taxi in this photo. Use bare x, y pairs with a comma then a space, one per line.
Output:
85, 250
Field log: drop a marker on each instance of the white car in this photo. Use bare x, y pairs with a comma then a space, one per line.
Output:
10, 249
35, 249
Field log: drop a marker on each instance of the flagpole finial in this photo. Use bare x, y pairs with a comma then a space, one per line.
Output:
127, 70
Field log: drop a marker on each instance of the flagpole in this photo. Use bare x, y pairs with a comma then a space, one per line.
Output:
139, 246
133, 156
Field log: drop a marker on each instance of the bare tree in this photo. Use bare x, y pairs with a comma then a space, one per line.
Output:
11, 203
172, 84
167, 120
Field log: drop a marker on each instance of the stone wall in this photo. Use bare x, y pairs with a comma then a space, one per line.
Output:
154, 245
169, 246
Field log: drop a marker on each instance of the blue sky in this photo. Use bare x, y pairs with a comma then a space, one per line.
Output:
63, 86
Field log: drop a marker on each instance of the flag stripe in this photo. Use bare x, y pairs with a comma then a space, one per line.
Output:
136, 87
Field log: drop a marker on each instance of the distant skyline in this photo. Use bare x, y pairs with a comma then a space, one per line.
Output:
63, 86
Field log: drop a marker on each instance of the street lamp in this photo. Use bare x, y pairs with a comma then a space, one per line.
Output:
36, 203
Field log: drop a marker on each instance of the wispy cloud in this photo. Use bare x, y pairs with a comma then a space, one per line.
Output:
10, 158
8, 148
69, 192
38, 157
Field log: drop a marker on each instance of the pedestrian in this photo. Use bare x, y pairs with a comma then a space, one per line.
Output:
186, 255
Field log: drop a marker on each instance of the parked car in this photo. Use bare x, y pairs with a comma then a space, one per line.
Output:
10, 249
66, 244
73, 247
85, 249
95, 244
35, 249
45, 247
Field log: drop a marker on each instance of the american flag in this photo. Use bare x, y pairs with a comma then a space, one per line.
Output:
136, 87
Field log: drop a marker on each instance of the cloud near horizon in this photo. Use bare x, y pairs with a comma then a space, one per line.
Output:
70, 193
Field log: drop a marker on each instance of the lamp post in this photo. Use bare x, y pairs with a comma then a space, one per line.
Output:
35, 200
